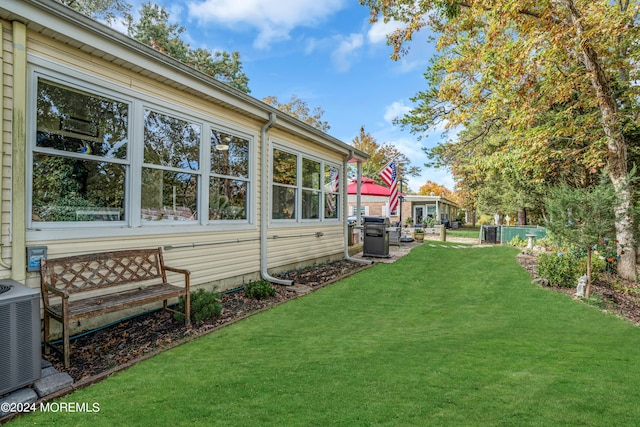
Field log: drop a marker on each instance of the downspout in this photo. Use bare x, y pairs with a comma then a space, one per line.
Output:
359, 194
264, 206
345, 210
18, 156
2, 263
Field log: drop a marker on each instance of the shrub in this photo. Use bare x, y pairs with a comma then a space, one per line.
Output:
559, 269
518, 242
204, 305
429, 222
259, 290
485, 220
545, 242
564, 269
598, 266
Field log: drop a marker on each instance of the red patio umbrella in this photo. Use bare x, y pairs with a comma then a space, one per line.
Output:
368, 188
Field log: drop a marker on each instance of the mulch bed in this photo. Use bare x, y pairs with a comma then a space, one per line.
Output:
617, 296
125, 342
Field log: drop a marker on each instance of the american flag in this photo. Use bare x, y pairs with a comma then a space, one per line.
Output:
389, 176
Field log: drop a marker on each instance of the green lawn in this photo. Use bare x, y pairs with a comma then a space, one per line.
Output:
444, 336
471, 232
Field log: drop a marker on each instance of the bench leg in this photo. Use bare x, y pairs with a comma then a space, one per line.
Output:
187, 309
47, 323
66, 345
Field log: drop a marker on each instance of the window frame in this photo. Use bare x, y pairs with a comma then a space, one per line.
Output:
137, 102
337, 192
198, 174
250, 179
299, 188
33, 149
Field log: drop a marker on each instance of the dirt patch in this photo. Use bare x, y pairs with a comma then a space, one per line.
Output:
129, 340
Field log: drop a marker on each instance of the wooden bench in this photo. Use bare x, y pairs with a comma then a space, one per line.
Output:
83, 286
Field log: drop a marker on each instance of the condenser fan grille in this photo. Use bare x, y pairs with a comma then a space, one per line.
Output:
20, 361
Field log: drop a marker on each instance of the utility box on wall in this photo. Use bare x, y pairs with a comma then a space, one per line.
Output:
34, 255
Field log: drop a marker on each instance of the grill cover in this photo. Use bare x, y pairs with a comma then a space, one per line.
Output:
376, 237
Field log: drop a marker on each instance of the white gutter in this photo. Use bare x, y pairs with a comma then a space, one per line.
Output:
345, 209
264, 206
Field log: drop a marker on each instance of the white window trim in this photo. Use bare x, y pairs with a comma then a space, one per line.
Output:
298, 221
39, 67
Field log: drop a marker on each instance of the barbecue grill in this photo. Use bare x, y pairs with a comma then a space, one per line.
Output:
376, 236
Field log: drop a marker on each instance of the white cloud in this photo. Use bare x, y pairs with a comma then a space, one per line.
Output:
274, 20
120, 26
397, 109
344, 53
379, 30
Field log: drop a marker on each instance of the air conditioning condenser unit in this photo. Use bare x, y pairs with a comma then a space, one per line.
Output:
20, 356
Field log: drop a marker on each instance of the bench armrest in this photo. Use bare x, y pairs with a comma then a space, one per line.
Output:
59, 292
46, 289
187, 274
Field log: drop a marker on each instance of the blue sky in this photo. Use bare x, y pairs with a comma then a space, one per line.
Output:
327, 53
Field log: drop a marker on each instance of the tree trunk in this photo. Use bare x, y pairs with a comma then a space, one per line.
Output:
522, 217
587, 291
616, 145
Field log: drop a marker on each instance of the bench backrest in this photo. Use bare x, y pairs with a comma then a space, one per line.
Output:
100, 270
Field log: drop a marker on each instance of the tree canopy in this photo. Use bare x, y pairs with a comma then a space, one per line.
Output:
546, 88
106, 10
380, 156
154, 29
435, 188
299, 109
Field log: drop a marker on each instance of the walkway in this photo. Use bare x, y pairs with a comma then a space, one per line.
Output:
398, 251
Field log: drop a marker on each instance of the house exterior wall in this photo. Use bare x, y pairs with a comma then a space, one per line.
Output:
220, 255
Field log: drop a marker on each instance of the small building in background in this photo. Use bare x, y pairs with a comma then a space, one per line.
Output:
444, 211
374, 201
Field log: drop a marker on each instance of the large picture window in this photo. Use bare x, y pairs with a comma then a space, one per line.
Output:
171, 168
306, 185
229, 180
91, 166
310, 189
285, 184
332, 191
80, 156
